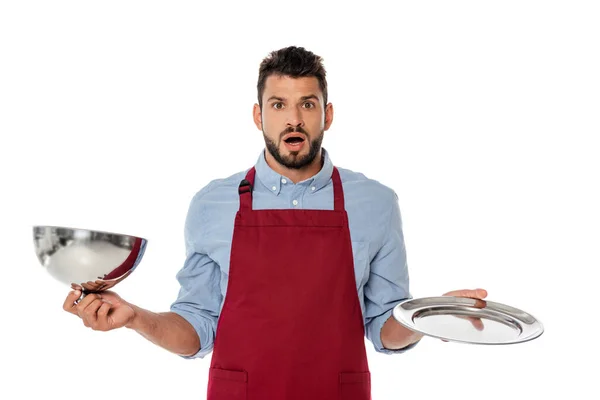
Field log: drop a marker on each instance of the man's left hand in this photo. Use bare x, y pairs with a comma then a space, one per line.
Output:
473, 294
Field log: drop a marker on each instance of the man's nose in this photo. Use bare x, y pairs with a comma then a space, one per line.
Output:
295, 119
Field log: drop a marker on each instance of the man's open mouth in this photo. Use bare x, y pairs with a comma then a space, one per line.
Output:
294, 140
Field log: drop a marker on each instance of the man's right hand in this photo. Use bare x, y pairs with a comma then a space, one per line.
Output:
103, 311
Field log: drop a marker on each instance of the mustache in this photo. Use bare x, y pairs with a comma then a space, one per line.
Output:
292, 129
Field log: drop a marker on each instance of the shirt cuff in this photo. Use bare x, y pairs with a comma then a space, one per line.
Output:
203, 331
376, 326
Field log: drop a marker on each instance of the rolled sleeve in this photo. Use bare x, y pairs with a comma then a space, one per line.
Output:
199, 299
374, 330
388, 283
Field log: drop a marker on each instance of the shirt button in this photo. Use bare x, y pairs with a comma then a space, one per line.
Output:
274, 188
295, 202
283, 181
313, 188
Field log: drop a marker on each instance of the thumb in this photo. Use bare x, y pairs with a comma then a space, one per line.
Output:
477, 293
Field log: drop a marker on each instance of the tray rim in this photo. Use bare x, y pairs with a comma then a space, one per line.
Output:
399, 314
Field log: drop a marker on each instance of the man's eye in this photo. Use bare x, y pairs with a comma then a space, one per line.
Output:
309, 105
277, 105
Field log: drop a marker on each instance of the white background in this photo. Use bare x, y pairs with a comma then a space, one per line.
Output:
483, 116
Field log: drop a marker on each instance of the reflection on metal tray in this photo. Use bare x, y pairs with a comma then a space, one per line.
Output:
467, 320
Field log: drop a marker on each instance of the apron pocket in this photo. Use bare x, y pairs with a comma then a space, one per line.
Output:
355, 386
225, 384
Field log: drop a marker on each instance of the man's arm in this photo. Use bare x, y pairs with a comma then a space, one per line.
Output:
199, 300
107, 311
167, 330
387, 286
189, 328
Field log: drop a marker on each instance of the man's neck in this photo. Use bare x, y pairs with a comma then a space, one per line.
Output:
296, 175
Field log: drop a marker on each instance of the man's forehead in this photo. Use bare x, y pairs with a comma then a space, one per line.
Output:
284, 86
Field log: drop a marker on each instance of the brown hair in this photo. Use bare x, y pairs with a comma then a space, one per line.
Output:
295, 62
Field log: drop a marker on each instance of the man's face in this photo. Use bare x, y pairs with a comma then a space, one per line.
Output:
293, 119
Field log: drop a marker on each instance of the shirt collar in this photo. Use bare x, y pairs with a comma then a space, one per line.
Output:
272, 180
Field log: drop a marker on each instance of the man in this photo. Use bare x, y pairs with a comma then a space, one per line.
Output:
289, 264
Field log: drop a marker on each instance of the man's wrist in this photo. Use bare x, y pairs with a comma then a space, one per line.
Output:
395, 336
134, 321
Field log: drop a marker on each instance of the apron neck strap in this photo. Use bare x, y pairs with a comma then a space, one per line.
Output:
245, 190
247, 185
338, 192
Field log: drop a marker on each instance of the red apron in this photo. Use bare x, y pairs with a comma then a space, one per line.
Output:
291, 327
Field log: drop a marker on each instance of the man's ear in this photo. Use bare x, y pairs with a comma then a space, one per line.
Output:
256, 114
328, 115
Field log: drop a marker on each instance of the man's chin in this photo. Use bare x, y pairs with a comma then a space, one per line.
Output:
293, 161
289, 158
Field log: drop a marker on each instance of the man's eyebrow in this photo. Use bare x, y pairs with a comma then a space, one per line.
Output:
312, 96
303, 98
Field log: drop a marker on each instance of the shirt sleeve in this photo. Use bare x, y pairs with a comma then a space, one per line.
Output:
199, 299
388, 282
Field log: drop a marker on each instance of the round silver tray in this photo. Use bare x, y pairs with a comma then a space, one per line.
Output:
467, 320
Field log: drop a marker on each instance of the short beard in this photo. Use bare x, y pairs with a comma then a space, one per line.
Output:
294, 161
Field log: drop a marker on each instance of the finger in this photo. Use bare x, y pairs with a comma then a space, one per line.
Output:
90, 316
86, 301
95, 285
102, 314
477, 323
477, 293
69, 305
105, 298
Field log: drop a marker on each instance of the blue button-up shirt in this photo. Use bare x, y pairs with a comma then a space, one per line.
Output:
378, 248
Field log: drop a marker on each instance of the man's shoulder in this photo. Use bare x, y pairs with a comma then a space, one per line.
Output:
371, 189
219, 188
